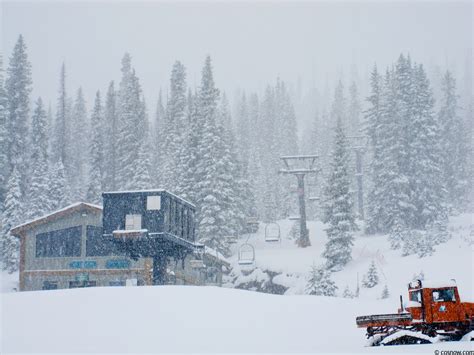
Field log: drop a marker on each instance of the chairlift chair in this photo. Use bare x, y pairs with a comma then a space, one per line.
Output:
246, 254
294, 218
272, 232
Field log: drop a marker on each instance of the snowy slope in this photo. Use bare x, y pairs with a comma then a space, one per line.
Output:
451, 260
187, 319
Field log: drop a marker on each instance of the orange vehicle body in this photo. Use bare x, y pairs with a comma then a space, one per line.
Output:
431, 309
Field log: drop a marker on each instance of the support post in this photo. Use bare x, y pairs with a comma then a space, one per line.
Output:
304, 237
159, 269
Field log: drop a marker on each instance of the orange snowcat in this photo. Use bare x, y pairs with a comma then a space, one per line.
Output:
433, 313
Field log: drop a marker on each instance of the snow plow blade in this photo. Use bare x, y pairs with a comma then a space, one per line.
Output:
378, 320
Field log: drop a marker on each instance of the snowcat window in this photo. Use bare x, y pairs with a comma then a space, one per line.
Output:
415, 296
446, 295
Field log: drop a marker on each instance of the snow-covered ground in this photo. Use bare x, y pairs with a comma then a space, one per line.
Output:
188, 319
451, 260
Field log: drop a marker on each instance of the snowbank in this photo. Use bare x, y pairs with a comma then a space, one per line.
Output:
186, 319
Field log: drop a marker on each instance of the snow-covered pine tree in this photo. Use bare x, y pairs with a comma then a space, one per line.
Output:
60, 193
38, 202
454, 145
286, 143
243, 130
239, 200
174, 123
188, 154
320, 282
141, 178
385, 293
338, 206
210, 213
347, 293
11, 216
96, 181
354, 110
61, 137
269, 157
439, 231
424, 243
110, 137
4, 163
18, 87
339, 107
76, 169
373, 119
394, 188
130, 123
159, 141
255, 171
371, 278
426, 177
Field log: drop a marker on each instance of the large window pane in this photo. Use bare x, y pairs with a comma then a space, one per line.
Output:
59, 243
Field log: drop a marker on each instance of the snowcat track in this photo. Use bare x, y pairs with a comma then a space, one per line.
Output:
376, 319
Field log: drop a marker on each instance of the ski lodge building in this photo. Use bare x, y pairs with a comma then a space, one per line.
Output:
139, 238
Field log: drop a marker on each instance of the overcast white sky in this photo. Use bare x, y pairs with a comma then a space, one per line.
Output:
250, 43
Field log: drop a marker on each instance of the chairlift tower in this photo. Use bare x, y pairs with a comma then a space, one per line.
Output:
359, 148
300, 165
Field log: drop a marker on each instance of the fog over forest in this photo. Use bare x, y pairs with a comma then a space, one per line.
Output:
307, 44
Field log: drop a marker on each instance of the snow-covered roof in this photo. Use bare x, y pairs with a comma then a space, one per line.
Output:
438, 283
146, 191
56, 214
215, 254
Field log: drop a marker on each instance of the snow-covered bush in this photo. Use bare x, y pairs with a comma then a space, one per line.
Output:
385, 293
347, 293
371, 278
320, 283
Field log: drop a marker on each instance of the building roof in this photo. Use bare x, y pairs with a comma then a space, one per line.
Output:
214, 254
146, 191
75, 207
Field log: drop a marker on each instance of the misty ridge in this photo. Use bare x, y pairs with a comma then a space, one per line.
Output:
394, 146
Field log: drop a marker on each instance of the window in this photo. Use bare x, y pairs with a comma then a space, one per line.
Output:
173, 217
179, 227
153, 203
167, 216
80, 284
185, 223
415, 296
96, 244
59, 243
133, 222
117, 283
191, 225
50, 285
446, 295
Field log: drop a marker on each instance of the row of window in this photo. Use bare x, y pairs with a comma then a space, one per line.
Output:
53, 285
179, 220
67, 243
63, 242
443, 295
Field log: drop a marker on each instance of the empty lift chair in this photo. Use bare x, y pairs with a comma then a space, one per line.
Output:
272, 233
246, 255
